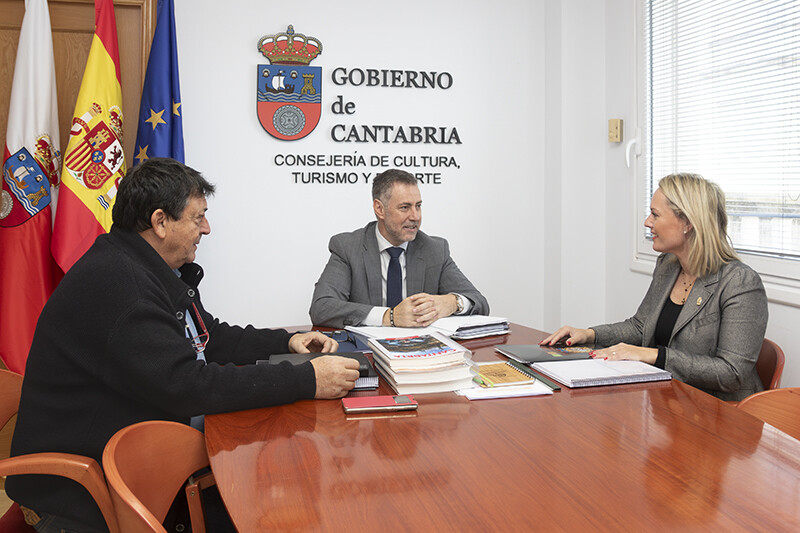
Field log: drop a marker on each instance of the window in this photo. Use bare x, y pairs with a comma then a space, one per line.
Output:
722, 98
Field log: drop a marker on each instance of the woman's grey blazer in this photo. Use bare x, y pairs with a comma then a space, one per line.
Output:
718, 334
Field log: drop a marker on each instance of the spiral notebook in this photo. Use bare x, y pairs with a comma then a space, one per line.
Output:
596, 372
501, 374
504, 379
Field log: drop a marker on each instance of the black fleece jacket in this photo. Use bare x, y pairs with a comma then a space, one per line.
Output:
110, 350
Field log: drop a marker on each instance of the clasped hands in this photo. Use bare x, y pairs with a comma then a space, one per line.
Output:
421, 309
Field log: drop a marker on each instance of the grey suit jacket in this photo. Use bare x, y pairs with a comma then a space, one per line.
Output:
350, 285
717, 337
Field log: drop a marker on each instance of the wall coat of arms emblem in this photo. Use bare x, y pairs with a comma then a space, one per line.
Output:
289, 91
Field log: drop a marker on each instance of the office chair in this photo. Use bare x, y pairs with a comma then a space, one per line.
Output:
146, 465
770, 364
777, 407
84, 470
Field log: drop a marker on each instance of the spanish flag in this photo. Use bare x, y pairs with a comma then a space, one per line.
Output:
94, 162
31, 165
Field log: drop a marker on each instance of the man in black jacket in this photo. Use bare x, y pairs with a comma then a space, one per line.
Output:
125, 338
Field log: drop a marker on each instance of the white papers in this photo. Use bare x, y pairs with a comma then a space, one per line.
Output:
512, 391
471, 326
381, 332
448, 326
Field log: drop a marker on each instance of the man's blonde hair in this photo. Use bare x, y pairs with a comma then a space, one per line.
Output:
702, 203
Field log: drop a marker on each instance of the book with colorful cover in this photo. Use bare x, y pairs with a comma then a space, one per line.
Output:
415, 351
427, 362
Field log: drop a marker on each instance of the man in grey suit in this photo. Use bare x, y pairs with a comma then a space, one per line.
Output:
362, 284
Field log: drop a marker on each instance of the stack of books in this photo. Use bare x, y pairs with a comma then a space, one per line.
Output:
423, 363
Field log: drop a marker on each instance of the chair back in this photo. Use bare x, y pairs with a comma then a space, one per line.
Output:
146, 465
770, 364
10, 390
83, 470
777, 407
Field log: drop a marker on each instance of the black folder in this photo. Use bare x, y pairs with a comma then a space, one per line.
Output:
534, 353
368, 377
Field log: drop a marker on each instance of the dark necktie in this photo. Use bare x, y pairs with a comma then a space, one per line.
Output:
394, 278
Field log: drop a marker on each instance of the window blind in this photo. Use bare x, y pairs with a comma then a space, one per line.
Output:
723, 100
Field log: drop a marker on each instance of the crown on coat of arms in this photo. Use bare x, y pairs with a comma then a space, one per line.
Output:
289, 48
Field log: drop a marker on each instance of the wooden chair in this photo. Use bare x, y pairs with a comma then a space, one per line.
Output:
770, 364
777, 407
146, 465
84, 470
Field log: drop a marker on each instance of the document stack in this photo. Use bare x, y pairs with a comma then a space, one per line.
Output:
422, 363
471, 327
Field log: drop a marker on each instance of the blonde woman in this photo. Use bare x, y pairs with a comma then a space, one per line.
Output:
704, 316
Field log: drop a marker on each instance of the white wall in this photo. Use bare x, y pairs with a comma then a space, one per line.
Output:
577, 57
269, 235
540, 214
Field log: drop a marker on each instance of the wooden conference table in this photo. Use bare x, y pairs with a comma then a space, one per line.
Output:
645, 457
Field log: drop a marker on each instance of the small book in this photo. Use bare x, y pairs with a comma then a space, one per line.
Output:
535, 353
432, 384
368, 378
418, 366
417, 351
445, 373
501, 374
414, 346
596, 372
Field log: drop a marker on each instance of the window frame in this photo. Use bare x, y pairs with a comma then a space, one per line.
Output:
781, 276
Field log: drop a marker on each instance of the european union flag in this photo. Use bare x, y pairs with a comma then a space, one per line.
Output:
160, 123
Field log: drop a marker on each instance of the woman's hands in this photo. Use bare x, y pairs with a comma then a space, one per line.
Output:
572, 335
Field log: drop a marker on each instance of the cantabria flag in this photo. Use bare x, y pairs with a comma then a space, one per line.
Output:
31, 165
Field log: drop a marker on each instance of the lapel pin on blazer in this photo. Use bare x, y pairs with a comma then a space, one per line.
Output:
699, 300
